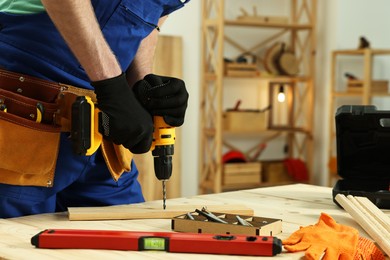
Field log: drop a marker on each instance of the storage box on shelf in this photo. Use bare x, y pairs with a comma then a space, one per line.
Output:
242, 121
236, 69
275, 172
377, 86
242, 173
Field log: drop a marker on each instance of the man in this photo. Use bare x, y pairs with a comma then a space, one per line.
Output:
105, 46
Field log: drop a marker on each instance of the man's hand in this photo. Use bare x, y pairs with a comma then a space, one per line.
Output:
163, 96
124, 120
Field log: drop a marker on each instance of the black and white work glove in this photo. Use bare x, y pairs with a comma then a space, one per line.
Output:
123, 119
163, 96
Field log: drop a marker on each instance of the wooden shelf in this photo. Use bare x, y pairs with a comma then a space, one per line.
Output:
281, 79
362, 51
248, 134
357, 94
253, 186
268, 25
298, 109
270, 132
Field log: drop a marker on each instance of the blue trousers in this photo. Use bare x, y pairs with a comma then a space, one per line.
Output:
79, 181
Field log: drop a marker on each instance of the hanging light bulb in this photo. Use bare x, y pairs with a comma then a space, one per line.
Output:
281, 95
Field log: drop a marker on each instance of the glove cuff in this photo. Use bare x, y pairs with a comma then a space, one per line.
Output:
107, 84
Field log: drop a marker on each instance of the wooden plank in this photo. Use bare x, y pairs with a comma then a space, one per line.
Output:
142, 211
365, 220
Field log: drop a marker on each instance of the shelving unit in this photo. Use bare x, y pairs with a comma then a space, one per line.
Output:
299, 33
363, 95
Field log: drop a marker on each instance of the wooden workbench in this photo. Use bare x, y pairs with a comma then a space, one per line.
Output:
297, 205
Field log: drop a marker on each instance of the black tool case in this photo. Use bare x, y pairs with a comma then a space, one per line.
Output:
363, 153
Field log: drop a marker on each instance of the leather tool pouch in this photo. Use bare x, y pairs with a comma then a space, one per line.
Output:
117, 158
29, 149
29, 138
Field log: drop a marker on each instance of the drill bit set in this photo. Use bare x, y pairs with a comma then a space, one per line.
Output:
204, 221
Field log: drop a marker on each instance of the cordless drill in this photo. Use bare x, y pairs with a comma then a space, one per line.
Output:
86, 138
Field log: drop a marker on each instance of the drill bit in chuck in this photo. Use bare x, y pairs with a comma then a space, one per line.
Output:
164, 193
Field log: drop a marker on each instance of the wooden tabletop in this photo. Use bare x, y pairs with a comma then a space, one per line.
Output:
297, 205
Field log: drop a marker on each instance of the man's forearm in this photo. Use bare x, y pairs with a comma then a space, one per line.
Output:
77, 23
143, 60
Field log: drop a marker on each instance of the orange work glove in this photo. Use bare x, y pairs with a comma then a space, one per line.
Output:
367, 250
326, 237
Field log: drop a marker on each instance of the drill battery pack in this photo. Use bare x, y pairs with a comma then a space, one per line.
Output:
85, 135
363, 153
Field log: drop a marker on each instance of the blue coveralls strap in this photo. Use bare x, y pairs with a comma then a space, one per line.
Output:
30, 44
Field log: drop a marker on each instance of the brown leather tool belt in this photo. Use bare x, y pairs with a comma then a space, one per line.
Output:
33, 113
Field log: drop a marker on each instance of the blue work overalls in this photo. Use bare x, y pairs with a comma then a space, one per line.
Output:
30, 44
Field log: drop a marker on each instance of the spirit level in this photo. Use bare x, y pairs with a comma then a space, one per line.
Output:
161, 241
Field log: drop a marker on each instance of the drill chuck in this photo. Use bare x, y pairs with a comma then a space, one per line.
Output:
163, 161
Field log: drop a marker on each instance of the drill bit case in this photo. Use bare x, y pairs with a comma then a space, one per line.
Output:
193, 222
363, 153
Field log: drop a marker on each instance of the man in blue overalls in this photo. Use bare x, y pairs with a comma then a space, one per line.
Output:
102, 45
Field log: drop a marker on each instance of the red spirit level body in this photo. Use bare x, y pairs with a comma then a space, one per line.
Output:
162, 241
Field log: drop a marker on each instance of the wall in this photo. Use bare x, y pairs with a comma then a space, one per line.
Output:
371, 21
340, 24
368, 18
